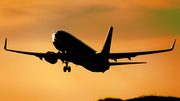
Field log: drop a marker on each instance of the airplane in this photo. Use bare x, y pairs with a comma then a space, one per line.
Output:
71, 49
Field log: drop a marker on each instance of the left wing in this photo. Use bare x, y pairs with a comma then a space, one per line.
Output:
40, 55
134, 54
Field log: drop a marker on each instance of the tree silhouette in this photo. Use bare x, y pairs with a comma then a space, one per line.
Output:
146, 98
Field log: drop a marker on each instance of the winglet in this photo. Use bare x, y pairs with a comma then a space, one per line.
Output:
5, 44
173, 45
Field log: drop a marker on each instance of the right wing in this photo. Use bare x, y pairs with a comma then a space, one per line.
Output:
134, 54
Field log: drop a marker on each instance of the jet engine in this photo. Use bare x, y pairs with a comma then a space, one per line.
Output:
51, 57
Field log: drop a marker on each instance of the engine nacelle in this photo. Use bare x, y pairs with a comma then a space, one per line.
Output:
51, 58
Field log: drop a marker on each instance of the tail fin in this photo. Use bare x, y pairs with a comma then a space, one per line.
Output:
107, 45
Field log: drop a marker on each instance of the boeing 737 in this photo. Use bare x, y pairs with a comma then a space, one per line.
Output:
71, 49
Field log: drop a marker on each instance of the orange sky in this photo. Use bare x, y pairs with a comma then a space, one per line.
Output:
138, 26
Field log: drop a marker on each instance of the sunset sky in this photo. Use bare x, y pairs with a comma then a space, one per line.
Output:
139, 25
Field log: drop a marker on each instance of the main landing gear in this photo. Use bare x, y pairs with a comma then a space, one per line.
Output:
67, 67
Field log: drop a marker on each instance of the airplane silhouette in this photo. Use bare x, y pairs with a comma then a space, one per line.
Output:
71, 49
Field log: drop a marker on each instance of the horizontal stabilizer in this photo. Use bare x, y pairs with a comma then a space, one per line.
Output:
124, 63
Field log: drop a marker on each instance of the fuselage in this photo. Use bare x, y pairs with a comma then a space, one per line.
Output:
79, 53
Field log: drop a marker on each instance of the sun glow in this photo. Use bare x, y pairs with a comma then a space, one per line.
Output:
53, 37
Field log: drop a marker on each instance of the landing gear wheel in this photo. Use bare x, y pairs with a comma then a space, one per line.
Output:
69, 69
65, 68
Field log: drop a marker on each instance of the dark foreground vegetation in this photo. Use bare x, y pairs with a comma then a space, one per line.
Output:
145, 98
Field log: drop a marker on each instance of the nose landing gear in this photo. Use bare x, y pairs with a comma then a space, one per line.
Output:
67, 67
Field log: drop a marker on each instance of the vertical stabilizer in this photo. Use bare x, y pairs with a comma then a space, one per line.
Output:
107, 45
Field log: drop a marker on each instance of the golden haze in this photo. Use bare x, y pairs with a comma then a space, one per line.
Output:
138, 26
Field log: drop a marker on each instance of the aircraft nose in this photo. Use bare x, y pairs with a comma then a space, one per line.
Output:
60, 35
57, 35
53, 37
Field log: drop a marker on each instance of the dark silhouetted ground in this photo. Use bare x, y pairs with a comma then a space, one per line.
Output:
145, 98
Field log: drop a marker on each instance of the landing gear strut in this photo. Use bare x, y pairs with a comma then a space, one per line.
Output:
67, 67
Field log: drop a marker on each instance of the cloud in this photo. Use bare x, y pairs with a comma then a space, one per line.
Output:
91, 10
127, 16
168, 20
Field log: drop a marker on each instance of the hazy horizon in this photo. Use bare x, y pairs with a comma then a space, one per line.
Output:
138, 26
